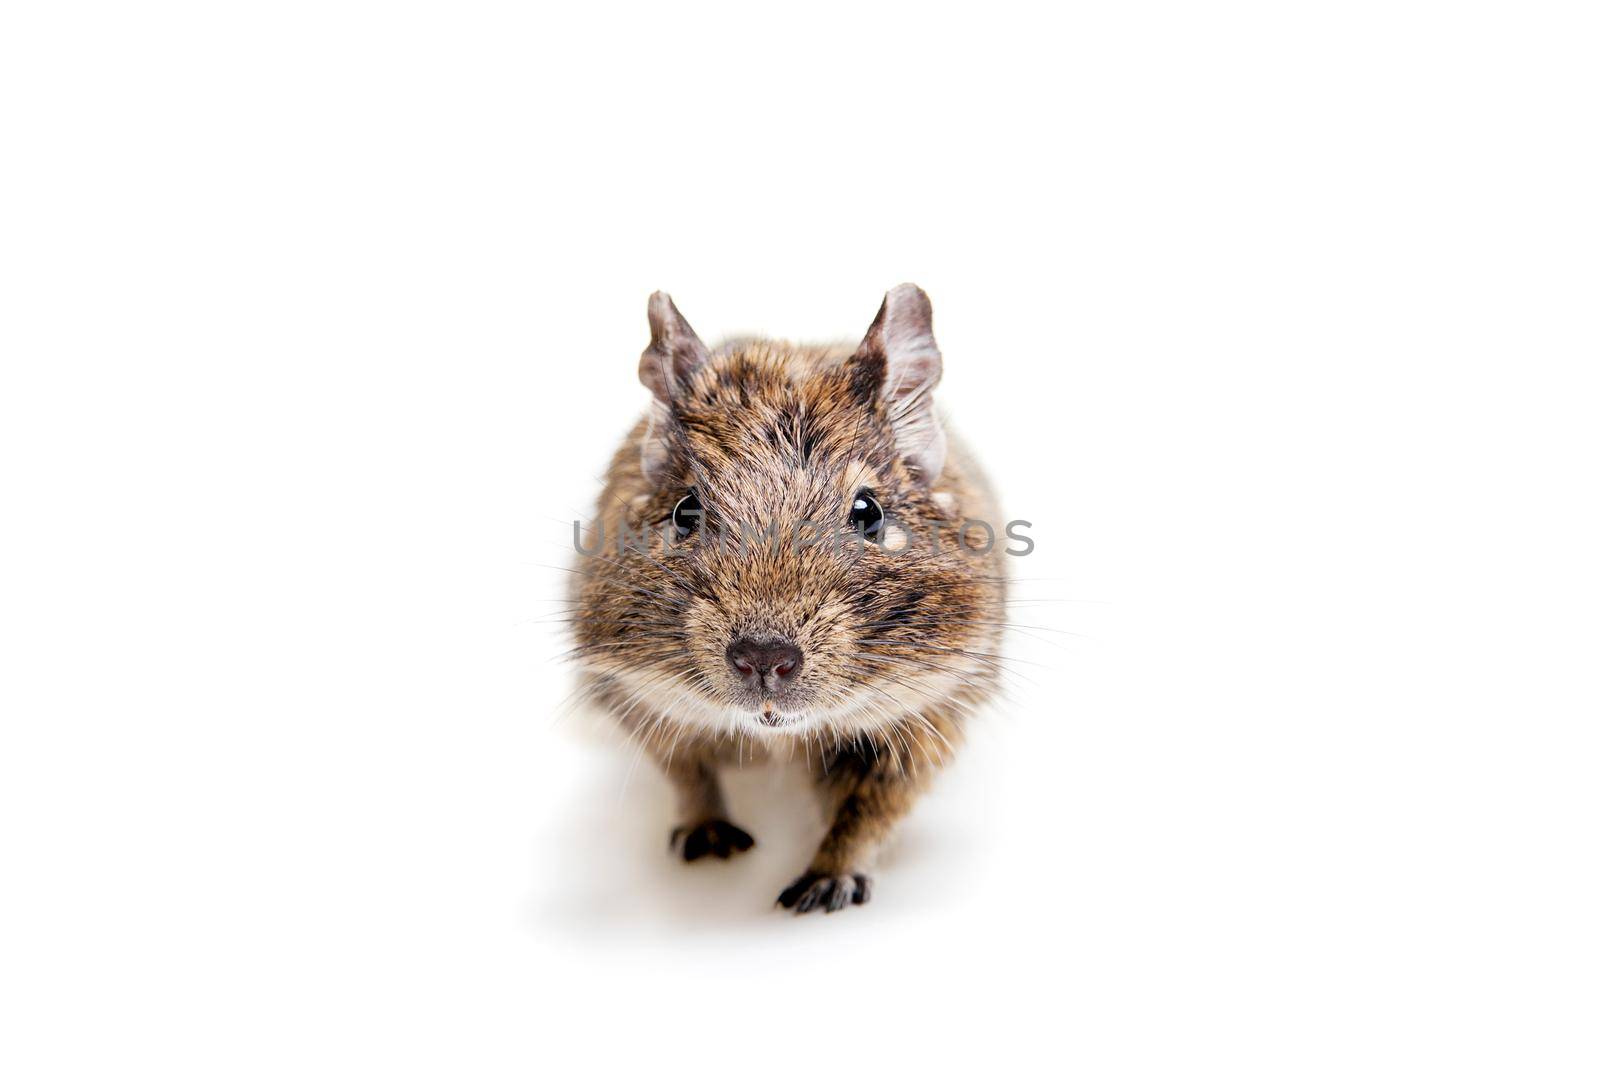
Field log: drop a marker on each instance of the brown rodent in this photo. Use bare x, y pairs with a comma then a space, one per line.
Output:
746, 620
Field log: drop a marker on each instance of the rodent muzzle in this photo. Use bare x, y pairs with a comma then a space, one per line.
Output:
765, 665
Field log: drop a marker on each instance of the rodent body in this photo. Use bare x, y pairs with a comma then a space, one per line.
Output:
797, 576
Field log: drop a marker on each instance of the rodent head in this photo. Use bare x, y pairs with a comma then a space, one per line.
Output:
771, 597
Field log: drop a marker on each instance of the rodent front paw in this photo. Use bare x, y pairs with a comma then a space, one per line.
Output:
715, 837
813, 890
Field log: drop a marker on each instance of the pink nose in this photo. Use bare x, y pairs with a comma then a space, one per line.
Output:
766, 663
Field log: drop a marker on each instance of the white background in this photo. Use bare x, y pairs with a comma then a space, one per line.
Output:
1278, 321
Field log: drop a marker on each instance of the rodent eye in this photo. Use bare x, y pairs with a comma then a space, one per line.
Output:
866, 515
686, 515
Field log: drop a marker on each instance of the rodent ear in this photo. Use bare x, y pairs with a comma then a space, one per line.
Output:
898, 364
674, 350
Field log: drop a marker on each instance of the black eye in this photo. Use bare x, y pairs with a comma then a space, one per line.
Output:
686, 515
866, 515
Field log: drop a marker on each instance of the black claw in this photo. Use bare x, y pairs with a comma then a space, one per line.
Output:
787, 898
716, 837
812, 891
863, 889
